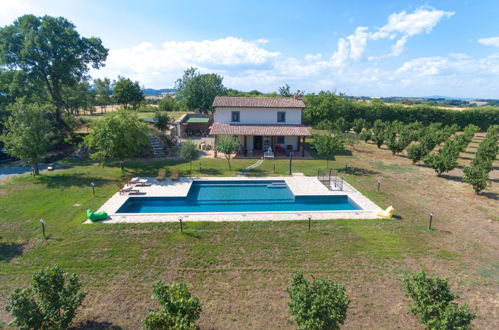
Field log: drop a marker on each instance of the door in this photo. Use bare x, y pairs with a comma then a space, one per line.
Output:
257, 142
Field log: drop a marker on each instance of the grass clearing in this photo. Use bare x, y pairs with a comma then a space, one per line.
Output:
240, 270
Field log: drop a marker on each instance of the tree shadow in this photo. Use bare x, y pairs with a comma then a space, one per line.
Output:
95, 325
452, 177
491, 195
65, 180
256, 172
9, 251
356, 171
211, 171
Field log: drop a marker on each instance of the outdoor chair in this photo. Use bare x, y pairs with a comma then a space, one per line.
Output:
268, 153
161, 174
174, 174
138, 181
130, 189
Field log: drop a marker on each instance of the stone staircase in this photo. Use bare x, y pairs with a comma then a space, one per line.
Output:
157, 146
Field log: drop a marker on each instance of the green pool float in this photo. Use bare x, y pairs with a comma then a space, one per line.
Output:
96, 216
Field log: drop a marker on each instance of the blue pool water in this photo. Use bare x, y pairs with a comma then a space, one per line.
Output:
237, 196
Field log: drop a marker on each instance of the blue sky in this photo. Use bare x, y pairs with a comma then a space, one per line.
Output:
374, 48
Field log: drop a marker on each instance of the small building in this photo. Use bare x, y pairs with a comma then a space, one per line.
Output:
261, 123
194, 124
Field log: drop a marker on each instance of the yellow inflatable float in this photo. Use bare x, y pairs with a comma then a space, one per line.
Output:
388, 213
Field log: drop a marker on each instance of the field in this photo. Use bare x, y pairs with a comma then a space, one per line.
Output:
240, 270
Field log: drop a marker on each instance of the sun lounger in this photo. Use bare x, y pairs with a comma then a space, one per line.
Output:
138, 181
129, 189
161, 174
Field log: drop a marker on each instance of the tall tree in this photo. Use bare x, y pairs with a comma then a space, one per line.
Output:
79, 97
103, 92
285, 91
28, 132
119, 135
52, 54
197, 91
128, 93
167, 103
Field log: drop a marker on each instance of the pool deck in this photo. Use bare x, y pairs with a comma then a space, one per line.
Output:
299, 184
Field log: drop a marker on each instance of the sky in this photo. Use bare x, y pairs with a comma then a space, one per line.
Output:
360, 48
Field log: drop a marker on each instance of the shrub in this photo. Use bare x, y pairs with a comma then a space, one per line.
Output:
477, 177
321, 304
50, 303
416, 152
433, 303
179, 308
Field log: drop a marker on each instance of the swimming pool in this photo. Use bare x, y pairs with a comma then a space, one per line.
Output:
238, 196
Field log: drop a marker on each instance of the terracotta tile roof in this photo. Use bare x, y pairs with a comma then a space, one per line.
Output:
257, 102
259, 129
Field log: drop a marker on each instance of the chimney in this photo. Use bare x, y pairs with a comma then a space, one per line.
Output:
298, 95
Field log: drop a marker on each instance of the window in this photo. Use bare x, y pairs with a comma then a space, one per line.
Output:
281, 117
280, 140
235, 116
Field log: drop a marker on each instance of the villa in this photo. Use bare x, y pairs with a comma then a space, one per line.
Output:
261, 123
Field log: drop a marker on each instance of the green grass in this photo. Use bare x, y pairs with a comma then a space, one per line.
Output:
130, 257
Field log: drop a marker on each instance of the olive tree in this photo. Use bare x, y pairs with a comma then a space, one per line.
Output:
189, 152
50, 303
28, 133
227, 144
179, 308
320, 304
119, 135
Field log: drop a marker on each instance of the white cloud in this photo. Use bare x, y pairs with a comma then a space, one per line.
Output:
147, 62
400, 25
493, 41
358, 42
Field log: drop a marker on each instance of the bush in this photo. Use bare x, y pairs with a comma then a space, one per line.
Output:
477, 177
321, 304
50, 303
433, 303
179, 308
162, 120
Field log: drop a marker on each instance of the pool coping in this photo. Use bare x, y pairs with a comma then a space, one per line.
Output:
299, 184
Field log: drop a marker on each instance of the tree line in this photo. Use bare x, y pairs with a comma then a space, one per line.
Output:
325, 105
54, 297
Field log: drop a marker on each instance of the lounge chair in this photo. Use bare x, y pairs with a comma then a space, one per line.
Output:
161, 174
138, 181
174, 174
130, 189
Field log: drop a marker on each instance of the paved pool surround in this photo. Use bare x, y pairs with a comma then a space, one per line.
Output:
299, 184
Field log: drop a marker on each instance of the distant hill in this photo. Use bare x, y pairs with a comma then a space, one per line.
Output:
157, 92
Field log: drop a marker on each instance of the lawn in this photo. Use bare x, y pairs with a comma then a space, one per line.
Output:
240, 270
